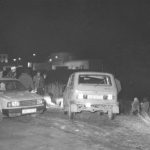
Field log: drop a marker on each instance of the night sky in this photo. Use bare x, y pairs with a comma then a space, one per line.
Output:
92, 28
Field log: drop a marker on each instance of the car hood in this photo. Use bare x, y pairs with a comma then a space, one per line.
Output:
23, 95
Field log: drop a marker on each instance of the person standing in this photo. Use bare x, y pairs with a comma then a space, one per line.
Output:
135, 106
118, 85
38, 82
1, 72
45, 83
5, 71
12, 73
145, 105
26, 80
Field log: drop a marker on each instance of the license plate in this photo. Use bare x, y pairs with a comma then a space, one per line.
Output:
105, 107
102, 106
28, 111
95, 97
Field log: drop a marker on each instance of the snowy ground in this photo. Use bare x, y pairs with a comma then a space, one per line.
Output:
53, 131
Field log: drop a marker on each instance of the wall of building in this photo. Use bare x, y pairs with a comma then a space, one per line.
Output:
3, 58
59, 58
77, 64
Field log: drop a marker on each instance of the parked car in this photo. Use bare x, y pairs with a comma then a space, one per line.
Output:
15, 100
91, 91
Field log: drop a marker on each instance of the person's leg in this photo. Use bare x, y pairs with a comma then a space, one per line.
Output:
59, 102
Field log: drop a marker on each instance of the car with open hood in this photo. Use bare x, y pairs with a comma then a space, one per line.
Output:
91, 91
15, 100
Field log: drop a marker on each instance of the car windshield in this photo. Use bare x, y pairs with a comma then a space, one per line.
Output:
11, 85
95, 79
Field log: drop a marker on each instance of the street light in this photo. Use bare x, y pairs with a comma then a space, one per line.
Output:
19, 59
6, 60
14, 59
34, 54
56, 57
50, 60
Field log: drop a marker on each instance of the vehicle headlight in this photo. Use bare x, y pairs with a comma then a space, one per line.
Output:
40, 101
13, 104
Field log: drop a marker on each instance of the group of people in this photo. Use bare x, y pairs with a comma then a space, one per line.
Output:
36, 82
140, 107
8, 72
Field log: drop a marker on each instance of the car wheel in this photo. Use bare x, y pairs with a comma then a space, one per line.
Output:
71, 114
65, 110
1, 116
110, 115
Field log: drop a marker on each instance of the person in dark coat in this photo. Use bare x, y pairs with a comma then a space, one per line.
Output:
38, 82
135, 106
145, 105
26, 80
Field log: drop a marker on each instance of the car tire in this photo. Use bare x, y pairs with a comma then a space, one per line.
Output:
65, 110
1, 116
71, 114
110, 115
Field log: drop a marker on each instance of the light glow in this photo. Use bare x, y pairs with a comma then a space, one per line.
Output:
88, 105
50, 60
110, 96
80, 96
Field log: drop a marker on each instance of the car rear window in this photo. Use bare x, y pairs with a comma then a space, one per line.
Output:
95, 79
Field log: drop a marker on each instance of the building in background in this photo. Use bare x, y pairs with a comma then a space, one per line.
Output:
41, 66
3, 58
58, 59
92, 65
77, 64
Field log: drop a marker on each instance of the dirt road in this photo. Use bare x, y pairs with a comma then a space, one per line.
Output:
53, 131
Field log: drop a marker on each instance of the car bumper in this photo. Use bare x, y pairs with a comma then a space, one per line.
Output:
23, 111
96, 107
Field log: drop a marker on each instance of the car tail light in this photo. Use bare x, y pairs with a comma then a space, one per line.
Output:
110, 96
80, 96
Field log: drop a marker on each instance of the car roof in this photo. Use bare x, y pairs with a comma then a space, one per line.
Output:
92, 72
